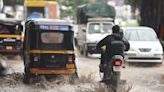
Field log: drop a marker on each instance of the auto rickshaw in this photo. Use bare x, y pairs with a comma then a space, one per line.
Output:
10, 37
48, 48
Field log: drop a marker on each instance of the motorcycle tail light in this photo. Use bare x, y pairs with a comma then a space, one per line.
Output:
117, 63
70, 59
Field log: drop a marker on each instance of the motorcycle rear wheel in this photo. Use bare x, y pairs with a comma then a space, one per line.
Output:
115, 80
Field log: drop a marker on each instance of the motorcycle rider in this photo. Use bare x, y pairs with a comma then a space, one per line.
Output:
111, 48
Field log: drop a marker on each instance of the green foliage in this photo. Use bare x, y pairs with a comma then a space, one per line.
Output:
19, 1
133, 3
73, 3
13, 2
100, 10
70, 12
131, 24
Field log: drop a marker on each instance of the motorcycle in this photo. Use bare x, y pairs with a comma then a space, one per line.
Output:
112, 72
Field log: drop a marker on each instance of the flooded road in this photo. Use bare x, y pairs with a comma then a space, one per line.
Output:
139, 78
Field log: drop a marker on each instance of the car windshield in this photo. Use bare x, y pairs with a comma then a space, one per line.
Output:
107, 27
140, 35
100, 28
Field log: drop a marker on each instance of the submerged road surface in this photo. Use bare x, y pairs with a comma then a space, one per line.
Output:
139, 78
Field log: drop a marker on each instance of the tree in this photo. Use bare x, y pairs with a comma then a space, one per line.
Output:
133, 3
150, 12
71, 3
13, 2
19, 2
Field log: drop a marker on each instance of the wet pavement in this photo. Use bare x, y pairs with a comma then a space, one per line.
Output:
139, 78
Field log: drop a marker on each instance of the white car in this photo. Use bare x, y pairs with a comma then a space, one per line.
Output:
144, 45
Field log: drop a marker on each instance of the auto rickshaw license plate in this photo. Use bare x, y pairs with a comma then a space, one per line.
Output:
9, 47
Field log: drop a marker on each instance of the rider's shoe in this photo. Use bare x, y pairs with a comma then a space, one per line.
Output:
102, 67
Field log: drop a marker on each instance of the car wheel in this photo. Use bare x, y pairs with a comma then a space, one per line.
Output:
159, 64
26, 79
76, 43
73, 78
85, 51
80, 50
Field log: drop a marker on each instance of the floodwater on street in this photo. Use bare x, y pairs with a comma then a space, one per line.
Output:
139, 78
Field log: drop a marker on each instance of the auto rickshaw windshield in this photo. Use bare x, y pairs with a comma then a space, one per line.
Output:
52, 37
56, 37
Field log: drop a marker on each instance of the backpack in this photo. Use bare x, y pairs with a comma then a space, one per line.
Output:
117, 47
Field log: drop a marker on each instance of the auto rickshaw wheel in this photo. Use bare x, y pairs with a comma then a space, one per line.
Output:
73, 78
26, 79
27, 76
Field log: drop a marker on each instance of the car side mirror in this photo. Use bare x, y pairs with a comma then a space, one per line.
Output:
84, 29
19, 28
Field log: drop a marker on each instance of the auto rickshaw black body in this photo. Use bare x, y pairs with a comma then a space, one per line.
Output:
11, 36
48, 48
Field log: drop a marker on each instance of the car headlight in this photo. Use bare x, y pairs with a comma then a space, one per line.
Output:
157, 54
157, 49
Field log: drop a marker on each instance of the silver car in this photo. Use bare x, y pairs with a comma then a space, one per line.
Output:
144, 45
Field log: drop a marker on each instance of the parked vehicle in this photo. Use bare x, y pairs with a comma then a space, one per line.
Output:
10, 37
48, 49
144, 45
